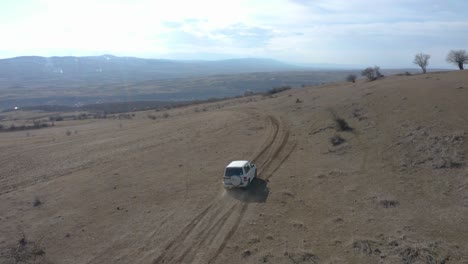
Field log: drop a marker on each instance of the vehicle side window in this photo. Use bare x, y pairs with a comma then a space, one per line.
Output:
246, 169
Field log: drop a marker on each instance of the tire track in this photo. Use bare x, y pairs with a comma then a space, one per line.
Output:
274, 153
184, 233
214, 226
230, 233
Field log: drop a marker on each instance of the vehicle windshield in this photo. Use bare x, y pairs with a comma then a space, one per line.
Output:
233, 172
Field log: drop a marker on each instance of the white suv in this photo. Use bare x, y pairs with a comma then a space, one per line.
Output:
239, 173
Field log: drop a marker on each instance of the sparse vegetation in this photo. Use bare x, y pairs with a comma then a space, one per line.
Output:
278, 90
56, 118
422, 60
68, 133
36, 202
37, 124
458, 57
410, 255
26, 251
351, 78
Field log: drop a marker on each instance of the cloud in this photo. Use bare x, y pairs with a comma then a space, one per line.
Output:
242, 35
291, 30
171, 24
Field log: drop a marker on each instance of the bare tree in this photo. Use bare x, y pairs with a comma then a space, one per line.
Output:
351, 78
377, 72
458, 57
372, 74
422, 60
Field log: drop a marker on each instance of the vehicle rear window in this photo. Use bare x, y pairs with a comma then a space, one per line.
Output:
233, 171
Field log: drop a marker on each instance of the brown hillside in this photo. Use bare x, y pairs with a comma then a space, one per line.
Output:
149, 191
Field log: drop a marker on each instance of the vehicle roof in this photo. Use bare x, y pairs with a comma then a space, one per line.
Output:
237, 164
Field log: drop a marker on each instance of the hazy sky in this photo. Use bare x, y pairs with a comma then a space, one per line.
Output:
363, 32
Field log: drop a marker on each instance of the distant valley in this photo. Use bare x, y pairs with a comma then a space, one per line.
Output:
76, 81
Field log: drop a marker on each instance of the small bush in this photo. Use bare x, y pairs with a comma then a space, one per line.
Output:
298, 101
166, 115
26, 251
68, 133
342, 125
389, 203
351, 78
36, 202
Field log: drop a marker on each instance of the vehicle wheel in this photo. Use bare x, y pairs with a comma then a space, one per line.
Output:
236, 180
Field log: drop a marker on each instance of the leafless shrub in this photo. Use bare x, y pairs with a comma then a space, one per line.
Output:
389, 203
342, 125
410, 255
372, 74
26, 251
36, 202
68, 133
351, 78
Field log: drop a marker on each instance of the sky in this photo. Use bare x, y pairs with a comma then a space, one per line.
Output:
387, 33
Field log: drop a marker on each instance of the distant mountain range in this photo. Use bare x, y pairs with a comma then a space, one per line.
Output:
109, 68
